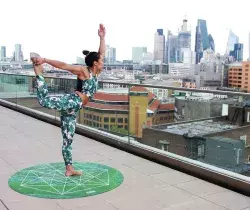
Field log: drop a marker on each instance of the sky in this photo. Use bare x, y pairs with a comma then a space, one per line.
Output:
61, 29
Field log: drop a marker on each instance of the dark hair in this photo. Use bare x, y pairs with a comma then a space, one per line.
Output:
91, 57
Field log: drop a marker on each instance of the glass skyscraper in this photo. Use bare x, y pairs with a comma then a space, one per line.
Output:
211, 42
201, 39
171, 48
232, 40
237, 53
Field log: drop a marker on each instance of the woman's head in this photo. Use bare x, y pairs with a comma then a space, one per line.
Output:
93, 60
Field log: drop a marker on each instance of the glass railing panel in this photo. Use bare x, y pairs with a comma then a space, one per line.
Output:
108, 111
8, 87
211, 128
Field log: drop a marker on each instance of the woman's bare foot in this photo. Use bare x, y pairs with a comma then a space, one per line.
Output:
70, 171
37, 68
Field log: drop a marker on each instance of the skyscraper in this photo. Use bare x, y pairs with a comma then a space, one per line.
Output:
18, 52
184, 41
201, 39
232, 40
237, 53
171, 48
137, 53
3, 53
159, 45
110, 55
211, 42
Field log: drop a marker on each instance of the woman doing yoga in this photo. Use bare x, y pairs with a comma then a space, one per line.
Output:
69, 104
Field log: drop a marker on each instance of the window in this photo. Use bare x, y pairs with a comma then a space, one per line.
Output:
112, 119
106, 126
126, 127
201, 150
248, 116
126, 120
106, 119
120, 126
94, 117
120, 120
248, 158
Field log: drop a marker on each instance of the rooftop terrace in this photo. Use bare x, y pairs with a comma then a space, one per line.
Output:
147, 185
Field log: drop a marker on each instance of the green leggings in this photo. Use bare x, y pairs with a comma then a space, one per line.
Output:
68, 105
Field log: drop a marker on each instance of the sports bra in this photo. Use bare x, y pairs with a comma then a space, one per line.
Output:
88, 86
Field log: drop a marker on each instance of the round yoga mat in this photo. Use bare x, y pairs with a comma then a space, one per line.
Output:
49, 181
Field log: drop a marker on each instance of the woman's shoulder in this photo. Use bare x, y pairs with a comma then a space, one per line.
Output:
84, 75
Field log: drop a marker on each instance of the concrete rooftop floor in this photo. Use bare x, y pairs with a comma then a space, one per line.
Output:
26, 141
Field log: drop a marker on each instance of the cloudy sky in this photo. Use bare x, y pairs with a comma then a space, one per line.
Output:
61, 29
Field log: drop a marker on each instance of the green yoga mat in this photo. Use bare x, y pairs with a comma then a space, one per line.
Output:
49, 181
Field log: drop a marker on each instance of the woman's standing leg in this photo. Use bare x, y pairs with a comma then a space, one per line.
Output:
68, 126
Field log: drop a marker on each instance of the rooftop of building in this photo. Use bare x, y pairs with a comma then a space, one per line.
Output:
200, 128
236, 64
146, 186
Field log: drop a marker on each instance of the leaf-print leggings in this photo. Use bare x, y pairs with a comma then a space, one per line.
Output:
68, 105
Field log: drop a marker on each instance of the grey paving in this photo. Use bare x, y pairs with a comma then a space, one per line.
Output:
26, 141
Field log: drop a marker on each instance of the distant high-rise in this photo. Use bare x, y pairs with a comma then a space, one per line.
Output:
237, 53
159, 45
110, 55
80, 60
211, 42
3, 53
137, 53
201, 39
184, 40
171, 48
232, 40
18, 52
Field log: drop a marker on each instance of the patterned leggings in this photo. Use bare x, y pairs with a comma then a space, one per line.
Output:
68, 105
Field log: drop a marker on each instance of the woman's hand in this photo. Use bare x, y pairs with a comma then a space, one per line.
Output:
101, 31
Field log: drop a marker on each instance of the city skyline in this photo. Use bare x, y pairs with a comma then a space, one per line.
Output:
71, 29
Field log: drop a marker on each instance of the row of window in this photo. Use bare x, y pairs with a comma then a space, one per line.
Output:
92, 117
167, 118
106, 119
105, 126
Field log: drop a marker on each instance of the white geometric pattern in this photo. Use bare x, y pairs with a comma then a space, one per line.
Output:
52, 179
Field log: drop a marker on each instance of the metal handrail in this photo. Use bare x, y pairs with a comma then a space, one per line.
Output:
218, 92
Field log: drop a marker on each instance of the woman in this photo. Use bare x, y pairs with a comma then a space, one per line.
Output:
70, 104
